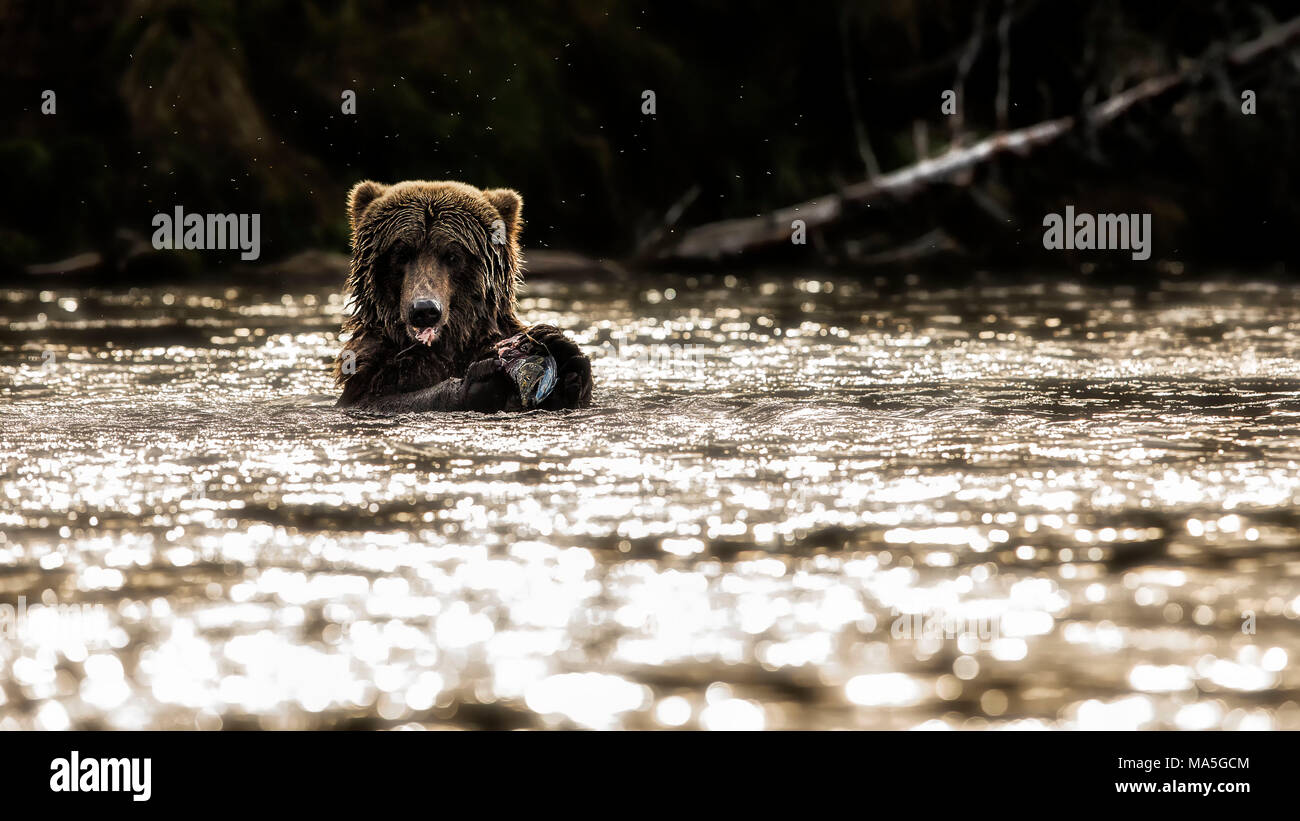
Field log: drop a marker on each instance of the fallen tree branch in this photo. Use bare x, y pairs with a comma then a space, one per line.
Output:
734, 237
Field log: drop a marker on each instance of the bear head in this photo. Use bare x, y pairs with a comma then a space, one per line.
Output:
435, 274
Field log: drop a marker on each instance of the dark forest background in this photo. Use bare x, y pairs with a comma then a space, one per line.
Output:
221, 106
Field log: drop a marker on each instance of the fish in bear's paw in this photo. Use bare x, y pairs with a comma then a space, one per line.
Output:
530, 365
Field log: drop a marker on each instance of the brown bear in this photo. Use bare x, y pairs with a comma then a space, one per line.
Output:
436, 267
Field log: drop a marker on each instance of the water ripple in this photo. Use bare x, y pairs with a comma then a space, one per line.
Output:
795, 504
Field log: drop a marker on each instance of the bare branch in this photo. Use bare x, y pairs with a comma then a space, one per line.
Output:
851, 91
964, 66
1004, 64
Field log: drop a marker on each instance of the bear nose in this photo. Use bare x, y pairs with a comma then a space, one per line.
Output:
425, 313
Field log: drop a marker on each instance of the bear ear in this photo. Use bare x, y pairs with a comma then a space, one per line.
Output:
361, 195
509, 205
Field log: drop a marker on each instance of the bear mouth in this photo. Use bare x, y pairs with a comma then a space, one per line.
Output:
426, 335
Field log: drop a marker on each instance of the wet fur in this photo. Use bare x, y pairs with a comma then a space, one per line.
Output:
427, 219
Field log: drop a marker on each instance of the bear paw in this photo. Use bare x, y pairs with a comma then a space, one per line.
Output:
573, 382
487, 387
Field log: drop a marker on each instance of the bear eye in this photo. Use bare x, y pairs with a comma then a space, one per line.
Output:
400, 252
453, 258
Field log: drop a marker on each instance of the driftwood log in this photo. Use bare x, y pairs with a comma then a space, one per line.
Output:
737, 237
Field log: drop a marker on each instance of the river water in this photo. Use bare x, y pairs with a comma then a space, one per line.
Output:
797, 503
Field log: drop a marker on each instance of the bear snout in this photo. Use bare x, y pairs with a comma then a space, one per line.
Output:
424, 313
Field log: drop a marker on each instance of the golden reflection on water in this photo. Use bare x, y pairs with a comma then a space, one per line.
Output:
796, 505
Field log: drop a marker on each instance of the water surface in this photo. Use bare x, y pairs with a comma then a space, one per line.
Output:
796, 504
